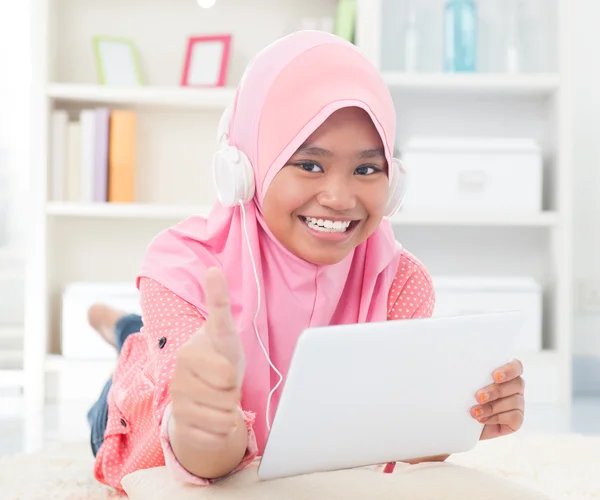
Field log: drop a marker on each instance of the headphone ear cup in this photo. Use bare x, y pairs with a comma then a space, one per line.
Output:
397, 187
233, 176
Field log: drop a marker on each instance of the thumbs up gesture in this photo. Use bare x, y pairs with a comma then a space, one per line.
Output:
209, 369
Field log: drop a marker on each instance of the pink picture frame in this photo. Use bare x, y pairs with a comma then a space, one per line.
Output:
206, 61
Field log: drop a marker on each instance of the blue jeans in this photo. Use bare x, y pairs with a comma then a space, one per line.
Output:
98, 414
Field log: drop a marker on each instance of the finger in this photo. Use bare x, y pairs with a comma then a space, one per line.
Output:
209, 420
508, 372
202, 362
502, 424
202, 440
484, 412
201, 393
497, 391
219, 322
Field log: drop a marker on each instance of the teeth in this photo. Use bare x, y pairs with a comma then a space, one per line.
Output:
327, 225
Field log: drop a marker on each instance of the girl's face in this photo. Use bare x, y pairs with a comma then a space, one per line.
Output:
332, 193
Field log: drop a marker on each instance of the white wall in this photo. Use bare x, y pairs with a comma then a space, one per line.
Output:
587, 187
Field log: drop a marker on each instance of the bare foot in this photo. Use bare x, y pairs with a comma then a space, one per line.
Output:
103, 319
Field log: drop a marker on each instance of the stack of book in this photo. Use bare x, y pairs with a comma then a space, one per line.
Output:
93, 157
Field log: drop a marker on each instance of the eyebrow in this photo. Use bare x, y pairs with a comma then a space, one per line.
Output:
372, 153
313, 151
316, 151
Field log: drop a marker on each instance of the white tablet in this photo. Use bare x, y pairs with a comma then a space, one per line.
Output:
359, 395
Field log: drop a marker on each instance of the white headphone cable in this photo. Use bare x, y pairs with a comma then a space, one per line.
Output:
268, 409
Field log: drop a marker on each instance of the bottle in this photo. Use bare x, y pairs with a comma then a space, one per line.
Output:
410, 41
460, 36
512, 56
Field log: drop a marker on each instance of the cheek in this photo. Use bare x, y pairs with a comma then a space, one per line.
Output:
281, 200
375, 198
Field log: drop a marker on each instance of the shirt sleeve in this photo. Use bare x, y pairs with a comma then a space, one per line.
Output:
412, 294
171, 321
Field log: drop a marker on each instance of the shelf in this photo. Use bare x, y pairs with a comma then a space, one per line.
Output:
125, 210
499, 84
169, 97
219, 98
437, 218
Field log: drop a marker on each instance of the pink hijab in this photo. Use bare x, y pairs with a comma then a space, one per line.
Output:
288, 90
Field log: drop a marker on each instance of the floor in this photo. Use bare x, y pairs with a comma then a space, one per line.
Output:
67, 423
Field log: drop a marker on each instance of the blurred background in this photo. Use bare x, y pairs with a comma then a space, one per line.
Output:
108, 118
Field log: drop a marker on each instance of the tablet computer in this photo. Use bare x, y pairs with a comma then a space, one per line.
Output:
372, 393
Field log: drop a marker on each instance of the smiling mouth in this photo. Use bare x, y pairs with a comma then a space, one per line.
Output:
329, 226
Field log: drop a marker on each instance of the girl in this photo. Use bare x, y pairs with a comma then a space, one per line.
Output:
224, 299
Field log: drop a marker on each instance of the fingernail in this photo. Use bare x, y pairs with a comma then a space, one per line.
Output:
478, 412
482, 420
483, 397
499, 376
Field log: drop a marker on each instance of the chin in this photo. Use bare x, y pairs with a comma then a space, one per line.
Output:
323, 258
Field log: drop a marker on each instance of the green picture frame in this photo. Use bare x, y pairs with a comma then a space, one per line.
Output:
117, 61
345, 20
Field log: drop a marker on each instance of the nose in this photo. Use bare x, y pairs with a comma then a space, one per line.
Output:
337, 194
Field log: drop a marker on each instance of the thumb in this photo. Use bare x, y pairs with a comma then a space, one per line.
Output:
220, 327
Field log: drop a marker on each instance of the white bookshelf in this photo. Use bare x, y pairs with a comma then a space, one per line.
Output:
176, 138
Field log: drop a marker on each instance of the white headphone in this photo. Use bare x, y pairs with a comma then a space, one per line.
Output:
234, 178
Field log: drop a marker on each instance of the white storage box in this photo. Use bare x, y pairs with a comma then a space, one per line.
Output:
474, 295
78, 339
482, 174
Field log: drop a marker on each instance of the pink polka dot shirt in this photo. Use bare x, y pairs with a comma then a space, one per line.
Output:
136, 435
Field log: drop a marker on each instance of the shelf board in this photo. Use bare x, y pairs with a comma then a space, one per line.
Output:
499, 84
218, 98
471, 218
408, 218
125, 210
170, 97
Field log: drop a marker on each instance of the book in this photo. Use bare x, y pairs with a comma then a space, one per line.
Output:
122, 157
73, 163
87, 119
101, 144
93, 158
58, 188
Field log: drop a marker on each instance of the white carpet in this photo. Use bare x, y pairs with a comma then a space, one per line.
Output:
564, 467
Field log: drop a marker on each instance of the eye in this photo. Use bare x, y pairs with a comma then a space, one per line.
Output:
310, 166
367, 170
